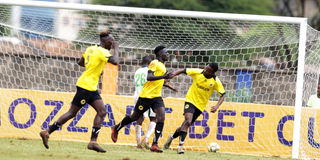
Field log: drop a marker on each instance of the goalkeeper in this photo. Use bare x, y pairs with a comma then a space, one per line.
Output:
204, 83
93, 59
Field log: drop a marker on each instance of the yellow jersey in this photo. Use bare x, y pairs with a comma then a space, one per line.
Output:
152, 89
95, 57
201, 89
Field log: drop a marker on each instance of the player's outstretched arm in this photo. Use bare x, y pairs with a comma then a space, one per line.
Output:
215, 108
168, 84
115, 58
81, 62
152, 77
177, 72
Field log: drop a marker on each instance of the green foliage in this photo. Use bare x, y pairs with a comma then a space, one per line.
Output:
5, 16
263, 7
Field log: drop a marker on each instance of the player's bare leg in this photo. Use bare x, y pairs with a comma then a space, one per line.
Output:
45, 134
101, 113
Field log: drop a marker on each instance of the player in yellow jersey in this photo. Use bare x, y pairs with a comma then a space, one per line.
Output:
93, 59
150, 97
204, 83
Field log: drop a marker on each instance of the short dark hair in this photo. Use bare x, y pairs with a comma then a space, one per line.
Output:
105, 33
214, 66
146, 60
158, 48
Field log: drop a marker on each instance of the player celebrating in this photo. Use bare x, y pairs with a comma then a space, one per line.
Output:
93, 59
140, 77
204, 83
150, 97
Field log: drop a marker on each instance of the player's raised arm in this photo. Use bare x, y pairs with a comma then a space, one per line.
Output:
81, 62
115, 58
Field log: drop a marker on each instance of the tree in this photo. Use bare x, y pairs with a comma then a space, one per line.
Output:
263, 7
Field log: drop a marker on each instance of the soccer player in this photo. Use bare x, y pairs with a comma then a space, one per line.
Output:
150, 97
93, 59
204, 83
140, 78
314, 100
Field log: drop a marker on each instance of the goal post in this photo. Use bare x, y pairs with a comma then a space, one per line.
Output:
269, 66
299, 88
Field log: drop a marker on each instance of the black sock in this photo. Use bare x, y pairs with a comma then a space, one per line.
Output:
176, 134
94, 133
126, 120
183, 136
158, 132
54, 127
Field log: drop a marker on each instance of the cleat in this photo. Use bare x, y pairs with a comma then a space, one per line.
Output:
168, 143
155, 148
180, 150
145, 144
114, 134
45, 137
139, 146
95, 147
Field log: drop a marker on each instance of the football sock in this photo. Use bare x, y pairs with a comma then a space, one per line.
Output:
151, 128
126, 120
158, 132
183, 136
95, 132
138, 133
175, 134
54, 127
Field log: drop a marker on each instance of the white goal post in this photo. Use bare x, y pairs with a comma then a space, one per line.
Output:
261, 59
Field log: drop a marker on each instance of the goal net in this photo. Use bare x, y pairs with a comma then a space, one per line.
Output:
258, 57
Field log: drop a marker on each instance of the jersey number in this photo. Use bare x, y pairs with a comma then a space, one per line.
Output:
140, 79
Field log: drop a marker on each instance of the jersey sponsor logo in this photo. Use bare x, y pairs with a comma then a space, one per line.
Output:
203, 88
140, 108
83, 101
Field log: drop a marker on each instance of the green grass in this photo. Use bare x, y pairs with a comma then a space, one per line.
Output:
22, 149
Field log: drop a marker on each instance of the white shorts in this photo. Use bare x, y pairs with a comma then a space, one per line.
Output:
148, 113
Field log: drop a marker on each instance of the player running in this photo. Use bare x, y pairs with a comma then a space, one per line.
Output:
204, 83
93, 59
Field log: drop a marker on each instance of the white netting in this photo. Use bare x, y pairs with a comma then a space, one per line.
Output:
258, 66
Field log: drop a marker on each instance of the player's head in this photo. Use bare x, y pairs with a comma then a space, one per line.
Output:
161, 53
146, 60
210, 70
106, 39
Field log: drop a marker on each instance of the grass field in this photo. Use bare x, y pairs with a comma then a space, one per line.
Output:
22, 149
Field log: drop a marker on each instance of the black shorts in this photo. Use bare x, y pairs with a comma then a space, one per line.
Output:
84, 96
143, 104
190, 108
